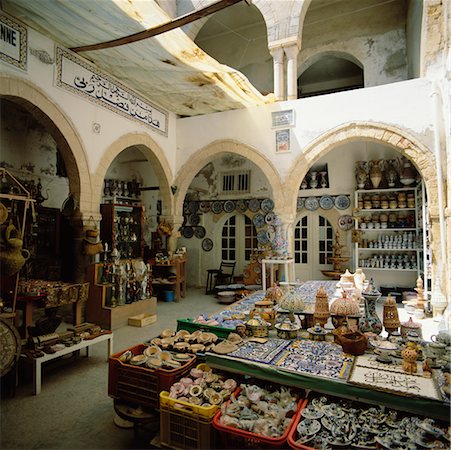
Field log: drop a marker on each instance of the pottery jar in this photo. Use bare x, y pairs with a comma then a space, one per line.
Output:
14, 256
410, 325
407, 175
375, 173
265, 310
443, 337
436, 350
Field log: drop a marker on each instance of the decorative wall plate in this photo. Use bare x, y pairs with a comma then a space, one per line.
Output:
194, 219
188, 232
241, 206
300, 203
199, 232
269, 218
193, 207
207, 244
229, 206
259, 220
216, 207
345, 222
262, 237
254, 204
311, 203
326, 202
185, 207
271, 233
204, 207
342, 202
267, 205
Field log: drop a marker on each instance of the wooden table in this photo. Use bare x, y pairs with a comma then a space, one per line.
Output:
180, 275
86, 343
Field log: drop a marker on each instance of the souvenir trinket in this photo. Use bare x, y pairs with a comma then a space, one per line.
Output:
353, 343
257, 327
265, 310
410, 325
390, 315
287, 329
409, 359
370, 321
343, 307
317, 333
321, 313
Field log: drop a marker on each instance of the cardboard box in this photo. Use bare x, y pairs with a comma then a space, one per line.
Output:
142, 320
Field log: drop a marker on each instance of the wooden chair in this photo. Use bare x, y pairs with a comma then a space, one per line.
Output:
223, 275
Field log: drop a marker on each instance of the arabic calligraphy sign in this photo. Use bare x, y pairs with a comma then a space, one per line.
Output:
13, 42
82, 78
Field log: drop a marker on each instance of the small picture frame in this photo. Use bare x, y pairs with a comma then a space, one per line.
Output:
282, 141
284, 118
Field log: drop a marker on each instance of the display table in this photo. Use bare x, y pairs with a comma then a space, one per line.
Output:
161, 270
287, 264
416, 405
38, 362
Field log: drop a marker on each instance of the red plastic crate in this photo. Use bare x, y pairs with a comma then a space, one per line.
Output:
141, 385
292, 435
233, 438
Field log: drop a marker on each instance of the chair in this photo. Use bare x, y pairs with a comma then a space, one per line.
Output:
223, 275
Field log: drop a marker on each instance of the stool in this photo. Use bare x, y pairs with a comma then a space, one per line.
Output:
211, 280
134, 414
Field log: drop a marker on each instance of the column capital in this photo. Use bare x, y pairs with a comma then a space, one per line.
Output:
277, 53
291, 50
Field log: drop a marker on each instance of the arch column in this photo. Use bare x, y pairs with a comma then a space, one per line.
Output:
176, 222
286, 222
292, 52
278, 57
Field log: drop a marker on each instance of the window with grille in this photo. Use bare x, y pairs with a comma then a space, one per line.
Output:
236, 182
301, 242
325, 240
228, 240
250, 238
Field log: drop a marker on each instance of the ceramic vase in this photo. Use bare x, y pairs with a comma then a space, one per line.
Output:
370, 321
321, 313
313, 180
361, 174
375, 173
407, 175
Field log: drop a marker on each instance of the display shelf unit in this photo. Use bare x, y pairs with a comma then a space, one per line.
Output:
390, 225
162, 271
121, 227
99, 311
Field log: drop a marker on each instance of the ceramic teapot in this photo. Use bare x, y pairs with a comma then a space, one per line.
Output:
13, 257
443, 337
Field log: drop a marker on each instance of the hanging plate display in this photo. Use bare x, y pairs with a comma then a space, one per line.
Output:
188, 232
267, 205
326, 202
229, 206
207, 244
345, 222
271, 233
194, 219
311, 203
258, 220
241, 206
342, 202
262, 237
216, 207
185, 208
199, 232
193, 207
254, 204
269, 218
300, 203
204, 207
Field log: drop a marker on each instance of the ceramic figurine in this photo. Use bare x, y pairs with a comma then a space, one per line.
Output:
409, 359
420, 290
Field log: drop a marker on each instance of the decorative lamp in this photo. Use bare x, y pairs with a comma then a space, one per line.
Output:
343, 307
321, 313
390, 315
274, 294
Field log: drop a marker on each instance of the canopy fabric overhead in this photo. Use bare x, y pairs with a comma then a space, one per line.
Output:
169, 69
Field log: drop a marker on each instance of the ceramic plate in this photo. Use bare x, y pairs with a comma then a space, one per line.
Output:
204, 206
311, 203
229, 206
254, 204
326, 202
342, 202
271, 233
193, 207
300, 203
267, 205
188, 232
262, 237
345, 222
186, 207
207, 244
216, 207
259, 220
269, 218
199, 232
241, 206
194, 219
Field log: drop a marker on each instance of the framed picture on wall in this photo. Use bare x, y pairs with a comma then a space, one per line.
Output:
283, 118
282, 141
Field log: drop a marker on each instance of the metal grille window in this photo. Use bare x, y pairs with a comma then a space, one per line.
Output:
301, 242
325, 240
228, 240
250, 238
236, 182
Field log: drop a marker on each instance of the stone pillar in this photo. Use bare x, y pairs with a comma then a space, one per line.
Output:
176, 222
291, 52
287, 223
278, 57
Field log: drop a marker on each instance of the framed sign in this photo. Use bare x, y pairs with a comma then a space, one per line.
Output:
282, 141
13, 42
283, 118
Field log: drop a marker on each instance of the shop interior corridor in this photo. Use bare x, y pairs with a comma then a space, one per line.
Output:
73, 410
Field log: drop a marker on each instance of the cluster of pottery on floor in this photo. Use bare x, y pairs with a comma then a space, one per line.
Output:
327, 423
183, 341
203, 387
265, 412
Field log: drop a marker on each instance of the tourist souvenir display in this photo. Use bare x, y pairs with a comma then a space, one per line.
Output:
342, 202
267, 205
354, 343
321, 313
317, 333
260, 352
257, 327
274, 294
370, 321
241, 206
229, 206
216, 207
410, 325
390, 315
254, 204
342, 307
287, 329
258, 220
311, 203
326, 202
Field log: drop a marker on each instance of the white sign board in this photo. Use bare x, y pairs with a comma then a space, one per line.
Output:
13, 42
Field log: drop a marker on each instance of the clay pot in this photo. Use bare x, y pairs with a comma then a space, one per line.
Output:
353, 343
407, 175
375, 173
13, 257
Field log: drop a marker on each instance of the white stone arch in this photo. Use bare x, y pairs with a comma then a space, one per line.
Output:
153, 153
61, 128
305, 64
189, 170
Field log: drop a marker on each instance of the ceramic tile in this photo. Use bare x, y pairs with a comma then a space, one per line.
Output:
262, 353
369, 360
